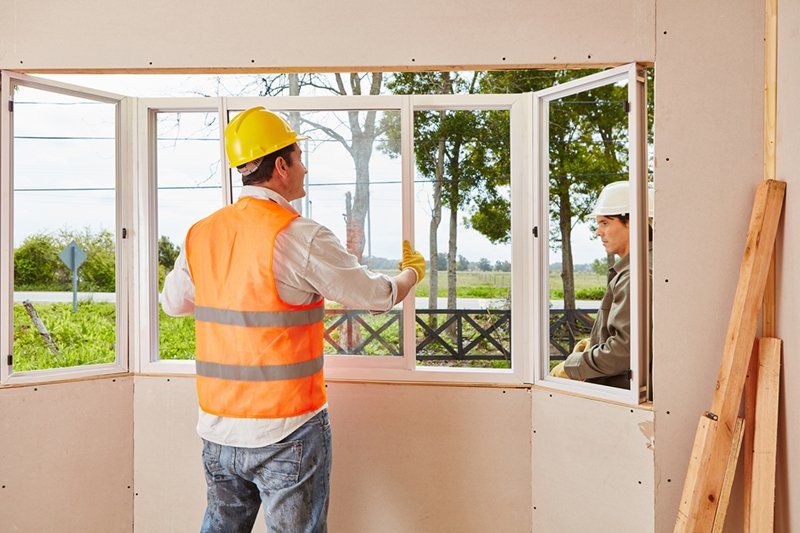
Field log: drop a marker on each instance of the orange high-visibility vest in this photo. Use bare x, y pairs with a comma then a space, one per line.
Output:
257, 356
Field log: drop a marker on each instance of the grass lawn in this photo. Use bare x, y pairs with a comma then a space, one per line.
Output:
83, 338
87, 337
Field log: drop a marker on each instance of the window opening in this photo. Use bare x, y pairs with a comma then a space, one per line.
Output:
68, 287
593, 171
462, 213
188, 188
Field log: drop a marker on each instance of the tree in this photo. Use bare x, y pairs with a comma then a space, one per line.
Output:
463, 263
502, 266
450, 152
484, 265
587, 150
600, 267
167, 252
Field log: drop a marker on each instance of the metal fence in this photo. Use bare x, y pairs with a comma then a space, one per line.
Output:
448, 335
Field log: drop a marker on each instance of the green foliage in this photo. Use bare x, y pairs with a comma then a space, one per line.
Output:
484, 265
37, 266
502, 266
83, 338
175, 336
36, 262
600, 267
167, 252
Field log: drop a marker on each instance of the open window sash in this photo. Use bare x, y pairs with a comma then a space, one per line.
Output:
123, 107
634, 75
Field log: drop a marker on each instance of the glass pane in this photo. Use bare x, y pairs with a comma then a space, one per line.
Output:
589, 278
463, 227
189, 188
353, 187
64, 152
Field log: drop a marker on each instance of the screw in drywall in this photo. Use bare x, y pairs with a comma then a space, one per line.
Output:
252, 60
504, 59
412, 59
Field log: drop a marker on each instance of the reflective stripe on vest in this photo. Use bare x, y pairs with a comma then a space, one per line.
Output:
260, 373
230, 317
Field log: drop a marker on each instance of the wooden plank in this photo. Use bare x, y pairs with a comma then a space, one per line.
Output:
695, 460
730, 473
704, 480
750, 387
762, 499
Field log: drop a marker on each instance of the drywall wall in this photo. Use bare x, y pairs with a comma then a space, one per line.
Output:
787, 509
709, 156
66, 456
38, 34
592, 465
709, 112
406, 458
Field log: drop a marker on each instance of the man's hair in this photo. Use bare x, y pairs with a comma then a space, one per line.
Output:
264, 171
626, 218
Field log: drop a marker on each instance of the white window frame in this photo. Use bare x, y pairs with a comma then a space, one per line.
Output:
637, 162
146, 344
359, 367
123, 180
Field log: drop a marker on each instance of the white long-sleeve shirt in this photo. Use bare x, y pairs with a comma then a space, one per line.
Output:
309, 263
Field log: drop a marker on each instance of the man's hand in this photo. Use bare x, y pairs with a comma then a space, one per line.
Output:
413, 259
558, 371
581, 346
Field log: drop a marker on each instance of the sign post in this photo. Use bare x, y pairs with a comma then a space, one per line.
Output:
73, 256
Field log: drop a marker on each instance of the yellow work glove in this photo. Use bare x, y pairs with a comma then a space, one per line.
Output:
558, 371
581, 346
413, 259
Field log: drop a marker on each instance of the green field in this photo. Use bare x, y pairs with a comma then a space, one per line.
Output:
588, 285
88, 336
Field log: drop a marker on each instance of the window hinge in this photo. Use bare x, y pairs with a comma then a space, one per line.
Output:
629, 373
536, 231
124, 233
11, 106
627, 107
10, 360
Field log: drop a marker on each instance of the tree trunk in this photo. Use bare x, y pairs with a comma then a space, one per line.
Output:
436, 218
454, 200
349, 332
565, 225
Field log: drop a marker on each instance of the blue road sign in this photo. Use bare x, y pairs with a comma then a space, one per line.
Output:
73, 256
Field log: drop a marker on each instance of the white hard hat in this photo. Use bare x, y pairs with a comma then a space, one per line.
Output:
614, 200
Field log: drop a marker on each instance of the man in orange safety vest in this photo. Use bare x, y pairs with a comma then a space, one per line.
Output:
255, 275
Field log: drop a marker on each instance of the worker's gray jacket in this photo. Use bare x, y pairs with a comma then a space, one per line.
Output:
608, 357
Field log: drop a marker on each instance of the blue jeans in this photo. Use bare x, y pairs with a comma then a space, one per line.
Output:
289, 478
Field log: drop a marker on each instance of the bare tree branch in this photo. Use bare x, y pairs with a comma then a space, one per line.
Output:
330, 132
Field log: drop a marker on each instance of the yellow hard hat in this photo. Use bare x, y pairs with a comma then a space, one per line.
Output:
256, 132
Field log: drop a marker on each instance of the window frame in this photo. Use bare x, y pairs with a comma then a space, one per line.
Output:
146, 345
124, 177
358, 367
634, 74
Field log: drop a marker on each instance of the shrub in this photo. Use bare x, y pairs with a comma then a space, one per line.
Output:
36, 263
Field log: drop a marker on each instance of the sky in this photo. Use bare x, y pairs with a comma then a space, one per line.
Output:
47, 155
